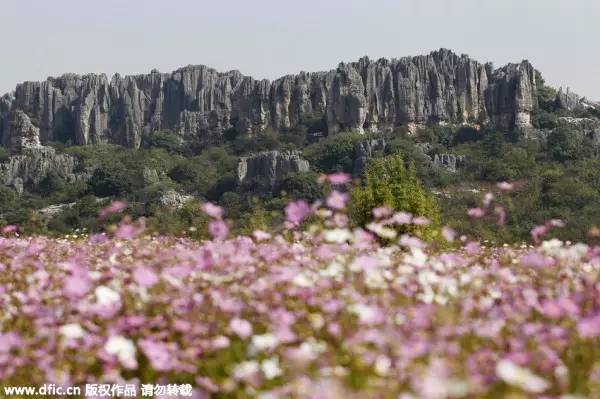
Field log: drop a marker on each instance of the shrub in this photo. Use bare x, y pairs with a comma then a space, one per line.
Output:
388, 182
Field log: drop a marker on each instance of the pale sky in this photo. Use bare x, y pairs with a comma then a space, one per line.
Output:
271, 38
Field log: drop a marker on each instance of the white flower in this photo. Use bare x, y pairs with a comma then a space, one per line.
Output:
382, 365
264, 342
72, 331
337, 235
106, 296
416, 257
245, 369
304, 280
123, 349
270, 367
520, 377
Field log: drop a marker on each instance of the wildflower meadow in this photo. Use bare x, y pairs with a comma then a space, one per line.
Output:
316, 309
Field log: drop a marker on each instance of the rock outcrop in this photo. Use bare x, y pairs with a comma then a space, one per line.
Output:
452, 162
566, 100
31, 162
173, 200
271, 165
366, 150
589, 127
200, 103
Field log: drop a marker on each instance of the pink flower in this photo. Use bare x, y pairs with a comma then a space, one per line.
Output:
421, 221
76, 286
157, 353
337, 200
589, 327
448, 233
128, 230
476, 213
505, 186
218, 229
114, 207
382, 212
297, 211
338, 178
11, 228
539, 231
145, 277
536, 260
212, 210
402, 218
242, 328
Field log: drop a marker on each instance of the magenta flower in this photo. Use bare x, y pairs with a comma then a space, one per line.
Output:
157, 353
337, 179
242, 328
212, 210
337, 200
539, 231
297, 211
76, 286
476, 213
145, 277
11, 228
218, 229
114, 207
589, 327
382, 212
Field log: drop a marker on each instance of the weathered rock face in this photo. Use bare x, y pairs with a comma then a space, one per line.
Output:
589, 127
366, 150
271, 165
511, 96
567, 100
200, 103
31, 162
26, 135
452, 162
174, 200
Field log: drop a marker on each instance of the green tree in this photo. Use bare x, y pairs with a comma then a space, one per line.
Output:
564, 144
388, 181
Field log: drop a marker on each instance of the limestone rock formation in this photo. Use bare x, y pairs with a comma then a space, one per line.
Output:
452, 162
31, 162
366, 150
589, 127
25, 135
200, 103
567, 100
174, 200
271, 165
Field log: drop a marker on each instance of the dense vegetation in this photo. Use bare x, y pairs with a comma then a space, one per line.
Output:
556, 173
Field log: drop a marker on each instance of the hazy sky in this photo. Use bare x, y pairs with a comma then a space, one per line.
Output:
270, 38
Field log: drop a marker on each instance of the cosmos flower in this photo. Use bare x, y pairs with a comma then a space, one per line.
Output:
212, 210
297, 211
123, 349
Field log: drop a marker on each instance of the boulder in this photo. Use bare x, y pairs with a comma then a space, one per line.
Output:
366, 150
271, 165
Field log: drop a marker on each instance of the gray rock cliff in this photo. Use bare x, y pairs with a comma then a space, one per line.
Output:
200, 103
271, 165
31, 162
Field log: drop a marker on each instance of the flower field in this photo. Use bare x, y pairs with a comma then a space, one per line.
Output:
318, 310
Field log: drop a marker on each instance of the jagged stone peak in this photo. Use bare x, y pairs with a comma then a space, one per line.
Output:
440, 56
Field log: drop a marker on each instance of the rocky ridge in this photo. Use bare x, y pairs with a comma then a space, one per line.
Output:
30, 162
199, 103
